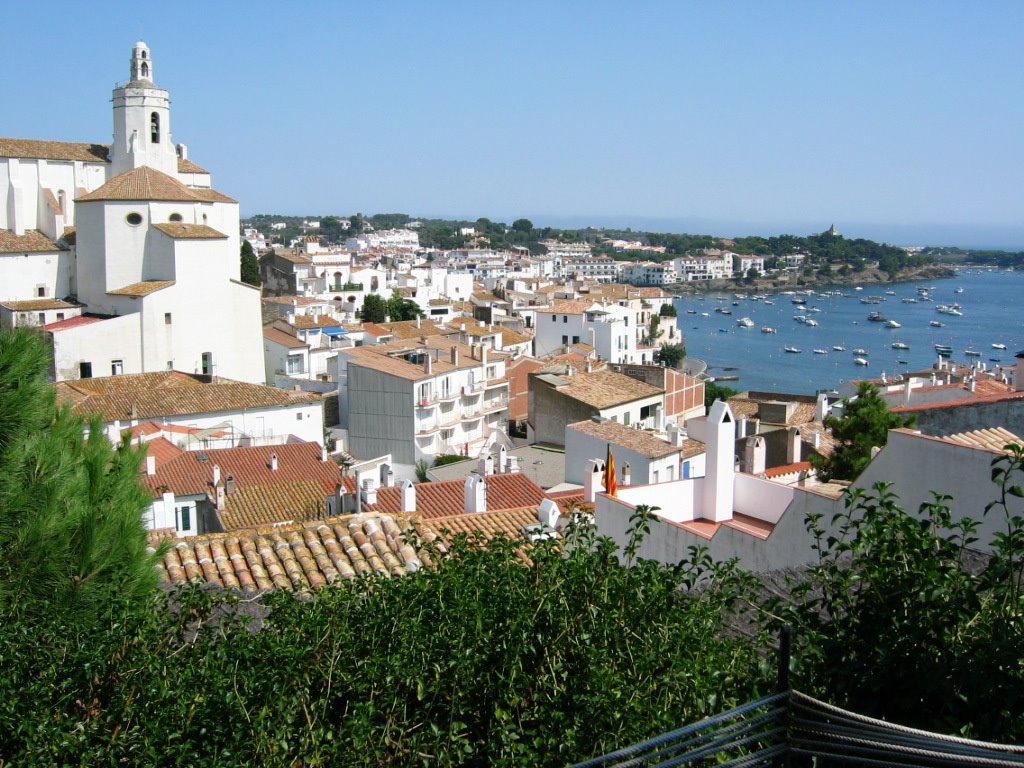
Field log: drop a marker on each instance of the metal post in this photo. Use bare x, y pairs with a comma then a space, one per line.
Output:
783, 686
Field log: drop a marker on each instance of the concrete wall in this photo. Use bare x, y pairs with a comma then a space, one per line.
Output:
1008, 414
381, 415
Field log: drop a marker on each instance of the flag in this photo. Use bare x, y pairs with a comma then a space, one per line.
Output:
610, 486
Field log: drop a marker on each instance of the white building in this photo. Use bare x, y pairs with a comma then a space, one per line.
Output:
649, 273
388, 239
643, 457
712, 264
610, 328
136, 235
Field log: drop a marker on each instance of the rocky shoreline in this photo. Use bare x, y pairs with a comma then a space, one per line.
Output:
796, 281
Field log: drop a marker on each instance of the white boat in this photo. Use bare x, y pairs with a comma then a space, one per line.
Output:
909, 300
746, 322
769, 302
959, 290
838, 347
972, 353
900, 345
768, 329
704, 314
890, 293
792, 350
821, 351
892, 324
935, 324
998, 346
859, 361
860, 351
810, 321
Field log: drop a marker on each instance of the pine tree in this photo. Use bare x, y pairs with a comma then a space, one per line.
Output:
71, 531
250, 266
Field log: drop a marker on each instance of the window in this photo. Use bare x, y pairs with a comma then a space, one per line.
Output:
167, 318
565, 339
298, 417
554, 319
175, 217
184, 515
145, 70
294, 364
42, 318
626, 418
170, 365
85, 370
565, 318
206, 366
60, 315
575, 339
134, 218
41, 291
116, 367
154, 126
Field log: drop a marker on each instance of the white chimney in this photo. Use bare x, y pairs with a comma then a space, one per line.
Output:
720, 465
755, 455
229, 485
151, 465
475, 493
455, 356
907, 388
548, 513
793, 445
417, 321
593, 480
323, 453
821, 407
370, 490
387, 477
273, 462
216, 475
358, 494
741, 427
408, 496
816, 439
168, 503
485, 465
219, 494
512, 465
625, 473
428, 364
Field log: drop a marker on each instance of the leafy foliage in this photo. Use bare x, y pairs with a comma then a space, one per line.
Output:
375, 308
671, 355
714, 391
489, 659
864, 425
250, 266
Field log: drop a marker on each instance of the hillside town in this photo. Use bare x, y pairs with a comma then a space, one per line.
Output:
335, 385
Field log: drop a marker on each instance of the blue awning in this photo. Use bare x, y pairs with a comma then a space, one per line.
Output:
334, 331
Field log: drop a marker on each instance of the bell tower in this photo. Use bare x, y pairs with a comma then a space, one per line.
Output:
142, 121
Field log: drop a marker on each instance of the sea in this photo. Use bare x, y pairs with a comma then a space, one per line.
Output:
991, 306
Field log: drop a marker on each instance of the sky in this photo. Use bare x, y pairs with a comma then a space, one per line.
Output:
899, 121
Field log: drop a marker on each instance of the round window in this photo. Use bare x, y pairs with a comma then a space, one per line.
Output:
134, 218
174, 217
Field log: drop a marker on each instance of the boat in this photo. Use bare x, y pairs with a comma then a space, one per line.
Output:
959, 290
859, 361
998, 346
860, 351
892, 324
877, 317
798, 300
909, 300
792, 350
943, 350
704, 314
902, 362
972, 353
810, 321
691, 311
746, 322
890, 293
838, 347
768, 329
935, 324
995, 360
900, 345
769, 302
821, 351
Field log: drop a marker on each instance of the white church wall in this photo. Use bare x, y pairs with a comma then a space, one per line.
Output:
22, 274
99, 344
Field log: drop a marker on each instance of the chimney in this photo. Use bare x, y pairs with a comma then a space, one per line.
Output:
229, 484
417, 321
792, 445
593, 480
885, 379
216, 475
408, 493
485, 465
428, 364
589, 367
720, 464
359, 495
755, 453
512, 465
151, 465
219, 494
370, 490
273, 462
625, 473
475, 494
168, 499
502, 460
387, 476
816, 439
973, 383
323, 453
821, 407
483, 353
741, 427
907, 388
548, 513
462, 327
455, 356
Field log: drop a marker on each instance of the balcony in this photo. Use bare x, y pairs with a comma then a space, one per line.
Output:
447, 397
497, 404
449, 418
494, 383
471, 412
428, 401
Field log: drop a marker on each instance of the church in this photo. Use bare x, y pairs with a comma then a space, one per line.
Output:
124, 254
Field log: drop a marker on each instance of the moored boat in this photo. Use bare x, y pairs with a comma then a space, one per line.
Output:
792, 350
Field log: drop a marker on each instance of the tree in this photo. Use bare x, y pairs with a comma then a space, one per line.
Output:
522, 225
71, 531
668, 310
714, 391
671, 355
375, 309
250, 266
864, 425
402, 309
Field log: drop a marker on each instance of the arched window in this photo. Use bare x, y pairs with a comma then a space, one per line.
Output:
175, 217
154, 126
145, 70
374, 283
143, 54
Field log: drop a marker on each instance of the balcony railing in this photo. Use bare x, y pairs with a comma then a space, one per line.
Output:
497, 404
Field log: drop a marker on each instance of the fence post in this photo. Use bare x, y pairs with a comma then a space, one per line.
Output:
783, 686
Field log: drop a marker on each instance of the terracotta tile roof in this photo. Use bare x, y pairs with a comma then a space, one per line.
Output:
278, 336
637, 440
299, 301
181, 231
568, 308
73, 322
297, 557
972, 399
407, 329
27, 305
604, 389
307, 322
294, 258
187, 166
994, 439
144, 288
54, 150
447, 498
296, 490
507, 522
33, 241
168, 393
161, 449
511, 338
788, 469
147, 183
208, 195
707, 529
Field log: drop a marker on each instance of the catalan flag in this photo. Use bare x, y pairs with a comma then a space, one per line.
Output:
610, 485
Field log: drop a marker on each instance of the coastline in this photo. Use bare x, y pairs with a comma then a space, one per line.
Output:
793, 281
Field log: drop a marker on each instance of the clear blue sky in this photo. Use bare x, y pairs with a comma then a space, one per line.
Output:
901, 121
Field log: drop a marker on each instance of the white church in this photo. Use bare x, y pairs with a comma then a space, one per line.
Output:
124, 254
